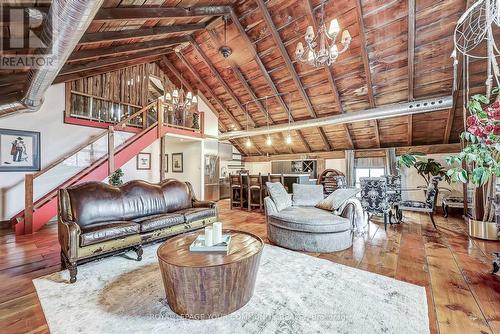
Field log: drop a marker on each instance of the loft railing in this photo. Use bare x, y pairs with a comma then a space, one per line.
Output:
189, 121
43, 185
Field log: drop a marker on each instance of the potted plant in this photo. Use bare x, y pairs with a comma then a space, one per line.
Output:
482, 143
426, 168
115, 179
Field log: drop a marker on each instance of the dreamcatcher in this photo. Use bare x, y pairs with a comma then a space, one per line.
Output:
473, 32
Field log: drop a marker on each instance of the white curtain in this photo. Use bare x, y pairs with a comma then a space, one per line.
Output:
349, 164
390, 161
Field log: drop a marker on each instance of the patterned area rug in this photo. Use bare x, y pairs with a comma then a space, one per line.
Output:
295, 293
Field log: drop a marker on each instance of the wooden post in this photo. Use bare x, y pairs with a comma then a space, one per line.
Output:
202, 123
163, 163
159, 109
111, 150
28, 203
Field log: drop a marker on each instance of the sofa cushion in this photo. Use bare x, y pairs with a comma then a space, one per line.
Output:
95, 233
177, 195
279, 195
309, 219
194, 214
337, 198
152, 223
307, 194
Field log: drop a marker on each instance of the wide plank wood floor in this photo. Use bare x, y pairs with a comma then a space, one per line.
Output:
463, 296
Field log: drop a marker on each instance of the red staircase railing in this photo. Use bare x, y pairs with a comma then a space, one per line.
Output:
39, 212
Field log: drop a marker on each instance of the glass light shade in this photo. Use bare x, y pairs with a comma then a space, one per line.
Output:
175, 93
288, 139
189, 95
346, 36
309, 34
299, 51
334, 28
248, 143
269, 142
168, 97
195, 99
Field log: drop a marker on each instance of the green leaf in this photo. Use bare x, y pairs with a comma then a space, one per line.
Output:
475, 106
480, 98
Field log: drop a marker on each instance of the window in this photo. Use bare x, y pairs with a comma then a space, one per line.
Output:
367, 172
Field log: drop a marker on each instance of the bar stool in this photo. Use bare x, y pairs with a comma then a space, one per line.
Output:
236, 186
277, 178
254, 184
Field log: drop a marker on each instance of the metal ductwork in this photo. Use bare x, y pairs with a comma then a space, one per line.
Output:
69, 19
395, 110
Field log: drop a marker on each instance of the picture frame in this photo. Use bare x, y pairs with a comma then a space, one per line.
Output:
144, 161
177, 163
19, 151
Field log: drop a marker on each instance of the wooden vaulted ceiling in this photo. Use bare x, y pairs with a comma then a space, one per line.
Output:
400, 52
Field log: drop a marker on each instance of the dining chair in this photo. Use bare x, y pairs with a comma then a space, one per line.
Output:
277, 178
429, 206
394, 195
254, 188
374, 197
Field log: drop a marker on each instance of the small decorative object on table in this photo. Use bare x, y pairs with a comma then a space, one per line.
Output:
212, 240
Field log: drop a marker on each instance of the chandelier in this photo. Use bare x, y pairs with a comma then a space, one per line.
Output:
328, 50
180, 102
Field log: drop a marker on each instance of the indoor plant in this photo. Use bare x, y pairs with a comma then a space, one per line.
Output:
482, 143
426, 168
115, 179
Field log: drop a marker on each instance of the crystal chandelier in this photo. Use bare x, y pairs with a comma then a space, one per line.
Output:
328, 50
180, 102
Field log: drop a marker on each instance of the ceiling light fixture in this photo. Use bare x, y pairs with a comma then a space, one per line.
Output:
225, 50
328, 49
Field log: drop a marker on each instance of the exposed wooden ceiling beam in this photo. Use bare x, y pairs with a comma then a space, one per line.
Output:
366, 64
164, 62
411, 63
267, 77
221, 81
312, 19
113, 36
242, 80
126, 48
157, 13
74, 71
208, 89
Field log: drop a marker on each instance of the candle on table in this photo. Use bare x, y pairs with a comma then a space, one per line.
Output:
217, 232
208, 236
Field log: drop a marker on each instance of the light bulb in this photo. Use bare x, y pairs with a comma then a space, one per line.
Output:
334, 51
248, 143
310, 56
289, 139
189, 95
175, 93
194, 100
334, 28
309, 34
168, 97
299, 51
269, 142
346, 37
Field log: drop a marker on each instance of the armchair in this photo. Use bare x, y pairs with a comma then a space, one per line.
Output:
374, 197
429, 206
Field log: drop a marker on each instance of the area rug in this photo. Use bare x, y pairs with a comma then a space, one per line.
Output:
294, 293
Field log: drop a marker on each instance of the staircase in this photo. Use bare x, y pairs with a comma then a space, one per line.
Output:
101, 156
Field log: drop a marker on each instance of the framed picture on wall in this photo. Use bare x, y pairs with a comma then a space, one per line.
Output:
19, 151
144, 161
177, 163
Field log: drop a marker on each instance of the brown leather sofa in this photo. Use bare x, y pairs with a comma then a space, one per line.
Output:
96, 219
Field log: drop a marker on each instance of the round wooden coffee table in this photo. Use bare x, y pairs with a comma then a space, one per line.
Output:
206, 285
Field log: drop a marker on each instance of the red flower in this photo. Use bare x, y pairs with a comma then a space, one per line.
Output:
472, 120
488, 142
497, 130
489, 128
494, 114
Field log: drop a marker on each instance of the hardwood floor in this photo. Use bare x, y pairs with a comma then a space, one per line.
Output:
463, 296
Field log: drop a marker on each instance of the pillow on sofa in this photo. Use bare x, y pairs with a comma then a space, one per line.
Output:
307, 194
337, 198
279, 195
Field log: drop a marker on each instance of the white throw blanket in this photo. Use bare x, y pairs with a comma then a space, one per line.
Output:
360, 216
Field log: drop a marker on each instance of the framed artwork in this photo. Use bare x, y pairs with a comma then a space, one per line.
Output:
166, 163
177, 163
144, 161
19, 151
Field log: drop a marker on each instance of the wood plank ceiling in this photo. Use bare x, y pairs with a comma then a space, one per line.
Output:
400, 51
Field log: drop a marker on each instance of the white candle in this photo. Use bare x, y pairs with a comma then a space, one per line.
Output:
217, 232
208, 236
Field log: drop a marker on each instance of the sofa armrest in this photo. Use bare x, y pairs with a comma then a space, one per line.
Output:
203, 204
349, 212
69, 235
269, 206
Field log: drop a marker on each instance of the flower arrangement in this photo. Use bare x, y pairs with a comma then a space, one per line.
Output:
482, 138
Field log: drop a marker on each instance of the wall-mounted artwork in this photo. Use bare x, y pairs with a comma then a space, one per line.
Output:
19, 151
177, 163
144, 161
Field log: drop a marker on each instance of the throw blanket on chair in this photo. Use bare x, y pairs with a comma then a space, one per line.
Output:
337, 201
